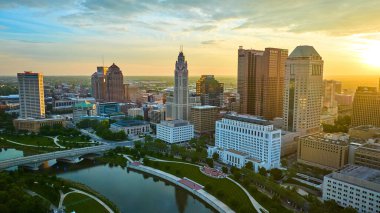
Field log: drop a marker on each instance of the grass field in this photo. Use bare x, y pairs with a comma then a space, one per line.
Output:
46, 191
82, 203
225, 190
30, 140
72, 139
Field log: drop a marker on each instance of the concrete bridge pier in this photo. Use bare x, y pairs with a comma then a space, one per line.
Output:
92, 156
71, 159
33, 166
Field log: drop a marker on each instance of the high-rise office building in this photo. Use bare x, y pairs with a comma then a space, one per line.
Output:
179, 104
203, 118
31, 95
303, 90
114, 84
98, 84
210, 91
366, 107
330, 89
261, 81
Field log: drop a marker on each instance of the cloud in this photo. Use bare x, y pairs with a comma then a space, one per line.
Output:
204, 28
211, 42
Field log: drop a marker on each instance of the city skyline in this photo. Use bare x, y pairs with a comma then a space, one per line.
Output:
56, 38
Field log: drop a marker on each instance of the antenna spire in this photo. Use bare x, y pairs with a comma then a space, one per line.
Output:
181, 48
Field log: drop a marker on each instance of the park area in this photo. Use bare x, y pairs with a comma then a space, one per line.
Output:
82, 203
31, 140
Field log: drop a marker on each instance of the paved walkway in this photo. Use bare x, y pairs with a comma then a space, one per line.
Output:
55, 139
255, 204
30, 145
85, 193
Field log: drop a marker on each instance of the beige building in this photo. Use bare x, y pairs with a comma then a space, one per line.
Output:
203, 118
31, 94
366, 107
328, 151
34, 125
303, 90
364, 132
368, 155
261, 81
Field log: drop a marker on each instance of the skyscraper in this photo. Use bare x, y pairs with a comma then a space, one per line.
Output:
366, 107
261, 81
31, 91
179, 104
98, 84
114, 84
330, 89
210, 91
303, 90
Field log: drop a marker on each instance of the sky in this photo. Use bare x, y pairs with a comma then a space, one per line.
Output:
143, 37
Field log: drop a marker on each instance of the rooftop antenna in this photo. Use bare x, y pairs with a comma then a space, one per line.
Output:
181, 48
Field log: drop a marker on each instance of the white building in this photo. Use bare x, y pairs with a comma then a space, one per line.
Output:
133, 112
355, 186
131, 127
303, 90
31, 94
243, 138
175, 131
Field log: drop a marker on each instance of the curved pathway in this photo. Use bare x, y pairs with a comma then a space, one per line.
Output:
30, 145
257, 205
87, 194
55, 140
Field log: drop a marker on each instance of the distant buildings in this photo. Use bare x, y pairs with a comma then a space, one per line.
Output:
303, 90
175, 131
133, 112
241, 138
31, 94
107, 85
355, 186
156, 116
179, 104
34, 125
83, 109
261, 81
108, 108
366, 107
131, 127
330, 89
203, 118
327, 151
210, 91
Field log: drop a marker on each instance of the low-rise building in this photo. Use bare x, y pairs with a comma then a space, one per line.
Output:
368, 155
354, 186
131, 127
83, 109
203, 118
328, 151
249, 138
108, 108
133, 112
175, 131
34, 125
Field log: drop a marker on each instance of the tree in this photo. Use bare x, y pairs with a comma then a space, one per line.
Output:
215, 156
249, 165
210, 162
225, 169
276, 173
262, 171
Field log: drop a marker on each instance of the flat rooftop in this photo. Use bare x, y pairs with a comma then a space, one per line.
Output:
130, 123
175, 123
237, 152
247, 118
204, 107
338, 139
359, 175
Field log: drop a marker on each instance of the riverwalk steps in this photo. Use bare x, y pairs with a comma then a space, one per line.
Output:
185, 183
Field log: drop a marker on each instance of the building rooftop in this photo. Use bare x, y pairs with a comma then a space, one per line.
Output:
304, 51
237, 152
247, 118
332, 138
130, 123
175, 123
358, 175
83, 105
204, 107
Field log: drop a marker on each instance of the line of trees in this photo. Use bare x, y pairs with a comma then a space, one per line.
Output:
102, 129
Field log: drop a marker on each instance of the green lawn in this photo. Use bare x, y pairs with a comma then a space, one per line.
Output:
82, 203
46, 191
225, 190
30, 139
73, 139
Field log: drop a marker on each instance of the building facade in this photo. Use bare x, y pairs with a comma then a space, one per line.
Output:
83, 109
133, 112
254, 137
261, 81
210, 91
34, 125
98, 84
366, 107
327, 151
114, 84
354, 186
368, 155
179, 104
203, 118
108, 108
31, 95
175, 131
303, 90
131, 127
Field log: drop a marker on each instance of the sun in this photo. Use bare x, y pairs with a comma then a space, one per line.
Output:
370, 54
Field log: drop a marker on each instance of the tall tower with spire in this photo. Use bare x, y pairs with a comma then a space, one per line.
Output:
179, 104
